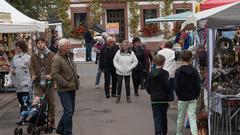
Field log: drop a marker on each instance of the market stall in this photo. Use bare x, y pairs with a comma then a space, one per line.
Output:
12, 23
223, 68
19, 22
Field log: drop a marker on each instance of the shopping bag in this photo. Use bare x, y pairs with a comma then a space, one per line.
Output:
186, 121
8, 80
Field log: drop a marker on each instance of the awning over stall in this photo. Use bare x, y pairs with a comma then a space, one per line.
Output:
207, 4
19, 21
170, 18
217, 17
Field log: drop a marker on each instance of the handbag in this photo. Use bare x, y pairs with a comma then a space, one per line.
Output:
8, 80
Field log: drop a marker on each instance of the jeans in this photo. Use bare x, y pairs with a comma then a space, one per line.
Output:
88, 51
68, 103
160, 118
98, 76
190, 107
20, 97
127, 85
107, 76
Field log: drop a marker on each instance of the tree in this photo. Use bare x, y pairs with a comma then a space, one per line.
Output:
134, 17
44, 10
167, 10
95, 11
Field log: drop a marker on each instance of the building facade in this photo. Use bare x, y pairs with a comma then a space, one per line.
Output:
118, 12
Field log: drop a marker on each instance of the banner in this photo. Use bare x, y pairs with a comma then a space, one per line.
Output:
112, 28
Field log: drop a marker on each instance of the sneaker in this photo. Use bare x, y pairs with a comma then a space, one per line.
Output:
136, 94
97, 87
107, 96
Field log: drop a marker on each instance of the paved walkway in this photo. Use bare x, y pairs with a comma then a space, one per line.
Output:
6, 97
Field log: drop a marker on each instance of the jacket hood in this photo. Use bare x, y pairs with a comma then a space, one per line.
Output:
156, 74
187, 70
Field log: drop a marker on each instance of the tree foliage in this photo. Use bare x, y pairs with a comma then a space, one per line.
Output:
45, 10
95, 11
167, 10
134, 17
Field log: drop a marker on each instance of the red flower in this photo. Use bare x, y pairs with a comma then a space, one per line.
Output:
150, 30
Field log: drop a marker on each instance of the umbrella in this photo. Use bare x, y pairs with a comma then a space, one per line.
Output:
98, 28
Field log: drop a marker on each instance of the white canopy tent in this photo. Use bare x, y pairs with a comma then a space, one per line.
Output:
213, 19
19, 21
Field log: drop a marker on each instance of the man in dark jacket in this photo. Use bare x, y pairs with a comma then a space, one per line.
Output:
187, 86
88, 44
137, 72
106, 56
64, 72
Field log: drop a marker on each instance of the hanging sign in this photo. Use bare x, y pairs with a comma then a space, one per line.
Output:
5, 17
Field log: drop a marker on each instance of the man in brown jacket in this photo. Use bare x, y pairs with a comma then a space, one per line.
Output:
65, 74
40, 70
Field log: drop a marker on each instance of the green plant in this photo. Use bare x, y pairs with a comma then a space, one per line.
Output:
63, 15
95, 11
134, 17
167, 10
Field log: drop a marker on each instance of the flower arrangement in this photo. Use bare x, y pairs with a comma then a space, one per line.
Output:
78, 32
150, 30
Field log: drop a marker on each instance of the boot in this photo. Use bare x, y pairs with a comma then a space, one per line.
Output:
128, 100
136, 94
118, 99
51, 126
52, 123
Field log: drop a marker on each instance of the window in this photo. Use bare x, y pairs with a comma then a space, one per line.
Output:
178, 11
80, 18
149, 13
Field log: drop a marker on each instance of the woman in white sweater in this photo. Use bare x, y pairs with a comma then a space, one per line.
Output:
124, 61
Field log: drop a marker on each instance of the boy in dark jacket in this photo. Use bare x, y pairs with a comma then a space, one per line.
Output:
187, 86
158, 86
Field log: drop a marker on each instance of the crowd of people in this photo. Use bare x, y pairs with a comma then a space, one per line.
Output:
158, 74
52, 68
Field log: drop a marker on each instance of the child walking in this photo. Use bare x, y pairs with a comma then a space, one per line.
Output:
158, 86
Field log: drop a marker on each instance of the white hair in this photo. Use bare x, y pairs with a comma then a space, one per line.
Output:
62, 42
110, 38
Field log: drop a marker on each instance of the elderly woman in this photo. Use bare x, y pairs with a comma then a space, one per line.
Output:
124, 61
21, 73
